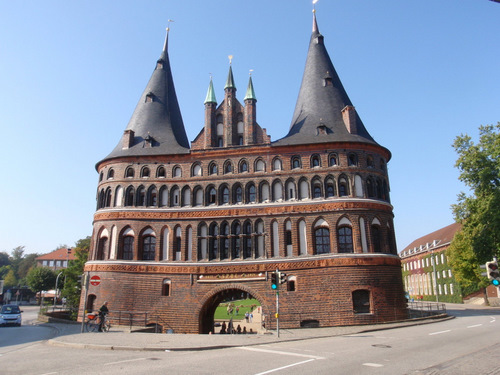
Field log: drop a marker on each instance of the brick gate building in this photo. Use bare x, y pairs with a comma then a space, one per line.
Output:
179, 227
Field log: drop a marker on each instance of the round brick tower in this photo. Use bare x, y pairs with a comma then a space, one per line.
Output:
180, 227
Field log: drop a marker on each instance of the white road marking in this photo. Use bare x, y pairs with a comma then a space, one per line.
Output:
124, 361
373, 364
284, 367
493, 319
474, 326
278, 352
438, 333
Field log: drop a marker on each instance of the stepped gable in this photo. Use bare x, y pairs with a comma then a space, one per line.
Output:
324, 112
156, 126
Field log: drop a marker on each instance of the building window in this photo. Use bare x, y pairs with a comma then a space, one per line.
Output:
236, 232
247, 240
225, 195
161, 172
177, 172
296, 162
361, 301
251, 194
213, 243
128, 248
212, 169
145, 172
129, 173
352, 160
166, 287
291, 284
243, 166
344, 235
376, 238
111, 174
333, 160
148, 248
224, 231
315, 161
343, 187
322, 240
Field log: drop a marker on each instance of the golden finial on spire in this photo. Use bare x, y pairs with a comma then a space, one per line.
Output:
168, 25
314, 5
230, 59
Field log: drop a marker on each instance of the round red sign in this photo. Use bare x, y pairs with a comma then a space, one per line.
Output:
95, 280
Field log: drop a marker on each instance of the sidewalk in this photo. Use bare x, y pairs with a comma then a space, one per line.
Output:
116, 339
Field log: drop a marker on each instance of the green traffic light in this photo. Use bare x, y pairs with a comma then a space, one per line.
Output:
495, 282
274, 286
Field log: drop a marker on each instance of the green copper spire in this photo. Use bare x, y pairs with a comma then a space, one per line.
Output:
250, 92
210, 93
230, 80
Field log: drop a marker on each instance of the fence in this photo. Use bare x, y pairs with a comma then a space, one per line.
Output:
420, 309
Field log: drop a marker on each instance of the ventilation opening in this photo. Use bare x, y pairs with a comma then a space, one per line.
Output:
309, 323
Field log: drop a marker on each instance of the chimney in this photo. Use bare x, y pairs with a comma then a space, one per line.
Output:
349, 117
128, 139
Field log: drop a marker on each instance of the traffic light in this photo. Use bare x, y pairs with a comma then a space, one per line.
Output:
283, 278
274, 280
493, 273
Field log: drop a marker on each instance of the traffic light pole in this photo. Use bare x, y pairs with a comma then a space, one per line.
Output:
278, 312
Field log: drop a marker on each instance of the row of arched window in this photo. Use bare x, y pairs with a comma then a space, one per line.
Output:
239, 193
243, 166
241, 240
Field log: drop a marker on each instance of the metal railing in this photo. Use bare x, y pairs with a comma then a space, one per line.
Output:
420, 309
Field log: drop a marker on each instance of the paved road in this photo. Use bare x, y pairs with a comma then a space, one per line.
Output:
466, 345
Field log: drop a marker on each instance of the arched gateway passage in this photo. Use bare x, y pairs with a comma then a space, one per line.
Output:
213, 299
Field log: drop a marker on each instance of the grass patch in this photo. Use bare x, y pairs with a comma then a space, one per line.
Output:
243, 305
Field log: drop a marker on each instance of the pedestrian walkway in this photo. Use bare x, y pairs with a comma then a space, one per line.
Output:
117, 339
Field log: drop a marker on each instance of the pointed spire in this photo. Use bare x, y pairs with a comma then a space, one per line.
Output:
230, 79
156, 126
250, 92
318, 115
210, 98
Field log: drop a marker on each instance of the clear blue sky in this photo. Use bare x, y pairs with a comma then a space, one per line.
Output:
419, 73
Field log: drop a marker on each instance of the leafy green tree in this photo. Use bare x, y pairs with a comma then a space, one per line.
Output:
28, 262
4, 259
10, 279
72, 287
478, 212
41, 278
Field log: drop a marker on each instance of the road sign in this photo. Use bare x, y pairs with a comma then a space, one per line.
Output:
95, 280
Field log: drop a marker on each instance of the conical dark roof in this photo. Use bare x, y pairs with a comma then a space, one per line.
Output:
318, 113
156, 123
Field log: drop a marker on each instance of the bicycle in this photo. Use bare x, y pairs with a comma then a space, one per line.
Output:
93, 322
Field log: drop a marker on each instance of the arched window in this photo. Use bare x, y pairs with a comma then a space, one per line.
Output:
102, 248
212, 168
370, 189
129, 172
108, 197
148, 247
277, 190
333, 160
186, 196
290, 190
224, 194
316, 188
296, 163
369, 161
247, 240
128, 248
343, 186
260, 166
141, 197
161, 172
152, 200
178, 243
145, 172
213, 243
129, 196
288, 239
243, 166
251, 193
376, 239
329, 187
118, 197
101, 176
303, 189
163, 196
322, 240
175, 200
315, 161
196, 170
212, 195
166, 287
177, 171
237, 194
344, 235
277, 165
352, 160
198, 196
111, 173
224, 241
228, 167
236, 235
202, 242
264, 191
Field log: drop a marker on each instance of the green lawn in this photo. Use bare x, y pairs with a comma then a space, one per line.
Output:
243, 304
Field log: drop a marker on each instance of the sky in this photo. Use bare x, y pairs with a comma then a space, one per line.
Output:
419, 73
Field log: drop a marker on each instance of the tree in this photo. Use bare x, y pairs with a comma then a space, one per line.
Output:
41, 278
10, 278
4, 259
479, 213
